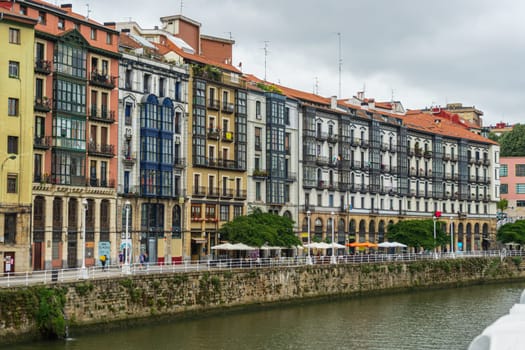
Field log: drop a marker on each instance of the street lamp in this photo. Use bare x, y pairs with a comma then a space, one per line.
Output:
308, 258
83, 270
435, 252
127, 245
452, 234
333, 259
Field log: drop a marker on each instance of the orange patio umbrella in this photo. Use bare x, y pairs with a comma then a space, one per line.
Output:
362, 245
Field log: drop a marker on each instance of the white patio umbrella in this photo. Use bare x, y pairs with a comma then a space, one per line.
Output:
223, 246
242, 246
391, 245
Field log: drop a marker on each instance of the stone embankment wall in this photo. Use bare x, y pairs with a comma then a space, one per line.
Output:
127, 299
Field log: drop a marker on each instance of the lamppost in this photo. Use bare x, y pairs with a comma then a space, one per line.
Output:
127, 245
83, 270
308, 258
333, 259
452, 234
434, 218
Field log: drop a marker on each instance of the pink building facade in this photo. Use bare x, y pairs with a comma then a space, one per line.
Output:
512, 187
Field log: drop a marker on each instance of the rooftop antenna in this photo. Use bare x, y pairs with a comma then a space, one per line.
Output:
392, 96
181, 6
265, 56
230, 35
340, 62
316, 86
88, 11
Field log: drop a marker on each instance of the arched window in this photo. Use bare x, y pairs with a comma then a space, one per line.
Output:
176, 224
287, 214
362, 231
381, 232
318, 229
372, 231
341, 231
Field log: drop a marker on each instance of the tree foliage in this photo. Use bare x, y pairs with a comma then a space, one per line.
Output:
513, 143
418, 233
259, 228
512, 232
503, 204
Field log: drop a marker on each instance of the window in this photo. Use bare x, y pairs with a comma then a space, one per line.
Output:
14, 68
93, 34
520, 188
14, 36
12, 180
109, 38
520, 203
258, 109
257, 191
520, 169
42, 17
12, 144
70, 60
23, 10
225, 213
196, 211
61, 24
504, 170
287, 116
146, 82
127, 113
10, 228
504, 188
237, 211
258, 139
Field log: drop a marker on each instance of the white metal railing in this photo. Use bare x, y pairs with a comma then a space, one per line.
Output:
112, 271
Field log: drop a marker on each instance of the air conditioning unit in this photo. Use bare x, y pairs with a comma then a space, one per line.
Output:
128, 133
177, 140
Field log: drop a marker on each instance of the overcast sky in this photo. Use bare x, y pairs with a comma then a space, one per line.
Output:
420, 52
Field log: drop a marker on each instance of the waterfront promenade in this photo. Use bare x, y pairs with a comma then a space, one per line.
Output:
116, 271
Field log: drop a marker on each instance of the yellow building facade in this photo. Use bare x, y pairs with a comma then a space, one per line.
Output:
17, 37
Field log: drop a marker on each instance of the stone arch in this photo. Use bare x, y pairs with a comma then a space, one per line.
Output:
461, 235
477, 237
341, 231
362, 230
372, 231
469, 237
381, 231
318, 229
485, 242
176, 221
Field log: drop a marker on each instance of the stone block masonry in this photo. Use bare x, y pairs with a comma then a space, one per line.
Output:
141, 297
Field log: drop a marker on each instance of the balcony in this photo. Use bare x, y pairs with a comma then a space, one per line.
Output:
384, 147
102, 150
199, 191
102, 80
446, 157
355, 142
333, 186
392, 148
309, 183
454, 158
227, 107
42, 142
240, 194
321, 136
364, 144
227, 136
418, 152
321, 161
227, 193
214, 104
291, 177
214, 133
179, 162
486, 162
427, 154
332, 138
218, 163
95, 182
213, 192
101, 115
410, 152
42, 67
259, 174
385, 168
322, 185
42, 104
129, 158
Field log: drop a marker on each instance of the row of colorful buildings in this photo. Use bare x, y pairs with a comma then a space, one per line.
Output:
111, 130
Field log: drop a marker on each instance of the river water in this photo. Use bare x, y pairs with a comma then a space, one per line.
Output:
433, 319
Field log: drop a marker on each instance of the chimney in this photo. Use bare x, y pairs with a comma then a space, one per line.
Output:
111, 25
333, 102
125, 30
360, 95
67, 7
